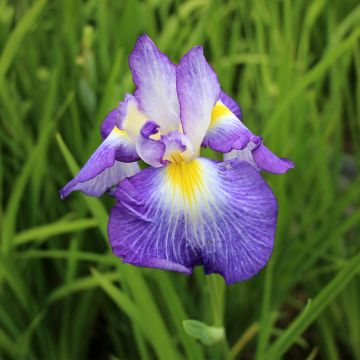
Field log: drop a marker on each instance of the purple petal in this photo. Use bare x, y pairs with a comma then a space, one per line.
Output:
231, 104
221, 215
198, 90
111, 120
261, 158
106, 166
155, 78
226, 132
269, 162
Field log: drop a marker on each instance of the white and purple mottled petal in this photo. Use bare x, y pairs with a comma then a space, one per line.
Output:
198, 90
221, 215
113, 160
155, 78
230, 103
226, 132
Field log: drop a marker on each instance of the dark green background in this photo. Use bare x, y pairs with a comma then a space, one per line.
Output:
293, 66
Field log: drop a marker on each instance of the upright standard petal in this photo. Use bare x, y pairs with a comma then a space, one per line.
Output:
226, 132
155, 79
198, 90
109, 164
221, 215
230, 103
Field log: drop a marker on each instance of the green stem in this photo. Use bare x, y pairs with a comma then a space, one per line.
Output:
217, 292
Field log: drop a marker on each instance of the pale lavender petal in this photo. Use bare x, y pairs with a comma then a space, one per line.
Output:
106, 167
158, 150
178, 147
149, 149
155, 79
221, 215
198, 90
231, 104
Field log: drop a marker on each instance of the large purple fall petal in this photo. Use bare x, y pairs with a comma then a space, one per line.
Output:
155, 79
221, 215
198, 90
113, 160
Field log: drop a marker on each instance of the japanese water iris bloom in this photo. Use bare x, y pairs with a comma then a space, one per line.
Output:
183, 210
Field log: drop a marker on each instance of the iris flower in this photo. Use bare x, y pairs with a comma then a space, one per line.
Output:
183, 210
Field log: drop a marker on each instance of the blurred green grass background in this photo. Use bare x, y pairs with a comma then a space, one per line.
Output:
293, 66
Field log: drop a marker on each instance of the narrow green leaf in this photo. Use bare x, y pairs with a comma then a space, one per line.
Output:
314, 309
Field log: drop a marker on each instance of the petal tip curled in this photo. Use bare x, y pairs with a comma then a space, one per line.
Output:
62, 193
198, 90
268, 161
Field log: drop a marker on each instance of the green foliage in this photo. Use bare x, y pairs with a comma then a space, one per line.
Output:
293, 66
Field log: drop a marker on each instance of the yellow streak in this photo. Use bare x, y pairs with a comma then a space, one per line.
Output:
185, 180
119, 132
218, 111
176, 158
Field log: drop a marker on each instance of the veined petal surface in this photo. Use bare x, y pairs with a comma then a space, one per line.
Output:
155, 79
113, 160
219, 214
198, 90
